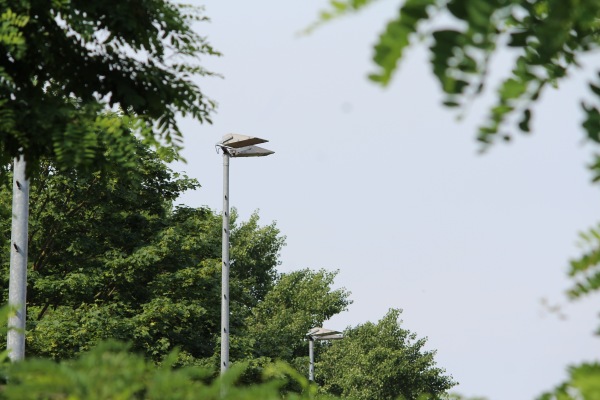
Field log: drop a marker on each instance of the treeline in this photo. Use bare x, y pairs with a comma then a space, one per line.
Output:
112, 257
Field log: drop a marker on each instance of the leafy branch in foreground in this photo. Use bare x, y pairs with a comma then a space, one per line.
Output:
549, 38
111, 371
583, 383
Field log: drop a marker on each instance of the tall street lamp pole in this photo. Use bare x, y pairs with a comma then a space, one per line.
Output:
318, 334
232, 145
17, 284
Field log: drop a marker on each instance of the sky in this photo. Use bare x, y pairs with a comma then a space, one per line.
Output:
389, 188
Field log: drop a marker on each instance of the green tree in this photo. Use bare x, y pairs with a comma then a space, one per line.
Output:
65, 64
112, 257
299, 301
380, 361
276, 328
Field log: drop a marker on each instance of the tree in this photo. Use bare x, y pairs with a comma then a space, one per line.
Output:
112, 257
380, 361
298, 302
72, 69
276, 328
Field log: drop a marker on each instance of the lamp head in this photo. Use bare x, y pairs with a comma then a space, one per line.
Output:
243, 146
249, 151
235, 141
324, 334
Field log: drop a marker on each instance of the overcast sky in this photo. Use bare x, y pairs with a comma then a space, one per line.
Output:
387, 187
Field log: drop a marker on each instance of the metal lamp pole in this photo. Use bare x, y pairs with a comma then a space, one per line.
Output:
225, 269
318, 334
232, 145
311, 356
17, 284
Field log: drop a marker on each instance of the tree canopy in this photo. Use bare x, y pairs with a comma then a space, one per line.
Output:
72, 69
113, 257
381, 361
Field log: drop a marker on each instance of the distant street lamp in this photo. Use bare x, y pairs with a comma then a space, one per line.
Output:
232, 145
318, 334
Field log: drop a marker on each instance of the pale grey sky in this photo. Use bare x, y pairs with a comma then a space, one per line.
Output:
386, 186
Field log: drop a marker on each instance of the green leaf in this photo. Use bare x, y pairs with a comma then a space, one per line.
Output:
512, 89
591, 123
519, 39
396, 38
524, 124
458, 8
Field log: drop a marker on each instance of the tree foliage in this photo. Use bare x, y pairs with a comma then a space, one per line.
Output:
381, 361
585, 271
583, 383
111, 371
72, 69
299, 301
111, 257
549, 38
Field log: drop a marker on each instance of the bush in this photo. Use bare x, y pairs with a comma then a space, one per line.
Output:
111, 371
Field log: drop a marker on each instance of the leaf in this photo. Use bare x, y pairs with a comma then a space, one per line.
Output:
524, 124
451, 103
591, 123
458, 9
519, 39
396, 37
511, 89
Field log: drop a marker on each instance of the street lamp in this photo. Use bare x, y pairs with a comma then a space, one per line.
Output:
232, 145
318, 334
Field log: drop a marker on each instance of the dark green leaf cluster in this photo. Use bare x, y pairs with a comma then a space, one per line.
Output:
64, 64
